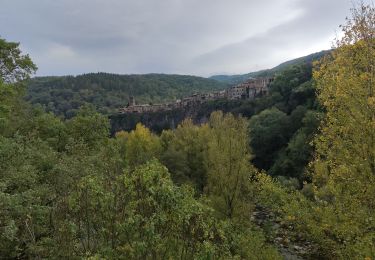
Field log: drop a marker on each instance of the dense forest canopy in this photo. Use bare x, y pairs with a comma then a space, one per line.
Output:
108, 92
70, 190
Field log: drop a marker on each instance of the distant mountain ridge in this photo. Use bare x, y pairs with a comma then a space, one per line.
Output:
236, 79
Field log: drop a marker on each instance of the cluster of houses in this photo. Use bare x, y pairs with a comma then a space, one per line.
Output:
247, 90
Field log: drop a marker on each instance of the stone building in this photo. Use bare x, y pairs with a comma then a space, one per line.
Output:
250, 89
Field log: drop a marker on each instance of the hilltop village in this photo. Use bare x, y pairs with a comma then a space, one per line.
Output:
246, 90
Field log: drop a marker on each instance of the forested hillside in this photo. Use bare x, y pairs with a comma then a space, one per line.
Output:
107, 92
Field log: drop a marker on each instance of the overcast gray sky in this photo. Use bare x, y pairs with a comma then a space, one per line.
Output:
199, 37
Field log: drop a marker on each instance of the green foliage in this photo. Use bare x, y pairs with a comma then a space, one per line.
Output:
292, 93
282, 132
12, 106
292, 160
184, 151
7, 100
14, 66
269, 132
164, 221
69, 191
84, 202
337, 211
213, 158
140, 145
228, 167
88, 127
280, 123
24, 194
344, 170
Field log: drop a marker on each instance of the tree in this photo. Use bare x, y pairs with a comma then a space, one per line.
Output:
288, 83
25, 195
14, 66
293, 160
228, 165
140, 145
268, 134
89, 127
184, 152
344, 169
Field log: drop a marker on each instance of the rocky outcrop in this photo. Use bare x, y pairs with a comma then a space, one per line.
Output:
290, 245
170, 119
159, 120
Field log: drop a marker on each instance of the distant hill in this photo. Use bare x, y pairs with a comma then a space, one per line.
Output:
235, 79
64, 95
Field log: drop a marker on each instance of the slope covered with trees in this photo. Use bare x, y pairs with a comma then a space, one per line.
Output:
107, 92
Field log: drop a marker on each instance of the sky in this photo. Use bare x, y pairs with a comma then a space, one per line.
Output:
195, 37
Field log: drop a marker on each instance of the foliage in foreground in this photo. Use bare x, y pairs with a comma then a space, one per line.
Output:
89, 199
68, 190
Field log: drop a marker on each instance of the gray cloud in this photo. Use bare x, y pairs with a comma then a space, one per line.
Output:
171, 36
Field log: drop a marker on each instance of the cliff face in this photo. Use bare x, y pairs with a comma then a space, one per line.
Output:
160, 120
198, 107
157, 121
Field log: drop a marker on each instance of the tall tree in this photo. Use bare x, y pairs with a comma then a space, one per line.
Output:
184, 150
228, 166
140, 145
14, 67
345, 164
269, 132
89, 127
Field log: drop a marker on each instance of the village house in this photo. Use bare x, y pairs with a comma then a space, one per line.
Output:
250, 89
